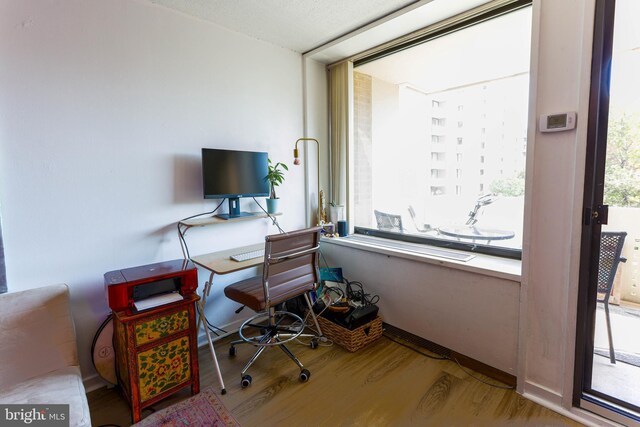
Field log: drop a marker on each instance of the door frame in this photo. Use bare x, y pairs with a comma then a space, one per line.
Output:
596, 150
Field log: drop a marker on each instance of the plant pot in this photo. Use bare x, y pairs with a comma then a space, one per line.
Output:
273, 205
336, 213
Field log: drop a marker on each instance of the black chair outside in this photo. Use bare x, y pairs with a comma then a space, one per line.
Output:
290, 269
388, 222
611, 244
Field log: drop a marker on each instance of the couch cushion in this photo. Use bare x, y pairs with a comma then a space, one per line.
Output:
35, 324
61, 386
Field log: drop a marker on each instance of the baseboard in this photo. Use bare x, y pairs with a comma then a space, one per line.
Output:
552, 400
541, 392
463, 360
94, 382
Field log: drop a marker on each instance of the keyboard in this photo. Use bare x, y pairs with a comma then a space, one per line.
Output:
247, 255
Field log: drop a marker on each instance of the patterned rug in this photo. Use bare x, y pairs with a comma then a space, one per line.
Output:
203, 409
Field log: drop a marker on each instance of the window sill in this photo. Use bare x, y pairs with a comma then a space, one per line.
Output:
504, 268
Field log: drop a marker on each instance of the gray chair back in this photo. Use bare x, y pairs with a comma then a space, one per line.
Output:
290, 265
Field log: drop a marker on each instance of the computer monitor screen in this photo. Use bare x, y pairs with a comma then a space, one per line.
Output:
234, 174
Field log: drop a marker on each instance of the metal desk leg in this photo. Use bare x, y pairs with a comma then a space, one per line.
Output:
205, 293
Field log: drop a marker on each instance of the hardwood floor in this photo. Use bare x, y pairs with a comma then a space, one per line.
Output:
384, 384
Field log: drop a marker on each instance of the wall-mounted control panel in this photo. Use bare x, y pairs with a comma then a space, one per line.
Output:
558, 122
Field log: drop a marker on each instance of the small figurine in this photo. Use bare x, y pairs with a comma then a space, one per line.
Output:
322, 210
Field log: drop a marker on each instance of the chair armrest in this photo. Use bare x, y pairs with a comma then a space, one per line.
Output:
37, 334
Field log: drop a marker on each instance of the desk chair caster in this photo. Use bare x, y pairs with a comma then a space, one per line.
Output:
246, 381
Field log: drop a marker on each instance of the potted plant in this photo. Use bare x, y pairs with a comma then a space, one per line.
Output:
275, 177
336, 212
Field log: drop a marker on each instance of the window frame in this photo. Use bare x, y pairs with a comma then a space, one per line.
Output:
439, 31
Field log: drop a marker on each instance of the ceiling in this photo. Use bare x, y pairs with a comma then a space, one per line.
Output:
299, 25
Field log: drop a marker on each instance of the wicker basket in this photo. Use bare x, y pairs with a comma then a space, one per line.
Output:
352, 340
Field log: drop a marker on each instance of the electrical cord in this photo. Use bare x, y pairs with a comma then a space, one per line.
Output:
453, 359
359, 295
504, 387
323, 341
415, 349
183, 242
211, 326
273, 219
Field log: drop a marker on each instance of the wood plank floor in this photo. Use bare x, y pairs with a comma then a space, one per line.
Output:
384, 384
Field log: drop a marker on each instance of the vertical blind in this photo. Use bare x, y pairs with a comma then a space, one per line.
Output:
339, 77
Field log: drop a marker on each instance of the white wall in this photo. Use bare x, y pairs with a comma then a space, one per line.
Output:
472, 314
104, 107
316, 110
561, 68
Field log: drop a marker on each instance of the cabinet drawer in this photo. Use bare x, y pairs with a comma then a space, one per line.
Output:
164, 367
160, 327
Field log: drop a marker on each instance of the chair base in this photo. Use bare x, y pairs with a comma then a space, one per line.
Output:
272, 333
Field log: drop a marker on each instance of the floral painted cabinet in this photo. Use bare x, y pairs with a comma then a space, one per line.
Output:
156, 353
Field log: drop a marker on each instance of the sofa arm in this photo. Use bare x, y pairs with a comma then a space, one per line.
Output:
37, 333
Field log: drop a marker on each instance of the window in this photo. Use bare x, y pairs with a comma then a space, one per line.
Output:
438, 157
393, 168
437, 191
438, 173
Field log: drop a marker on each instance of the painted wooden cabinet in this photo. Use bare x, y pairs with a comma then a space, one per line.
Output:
156, 353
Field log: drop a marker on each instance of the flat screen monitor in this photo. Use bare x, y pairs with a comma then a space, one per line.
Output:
234, 174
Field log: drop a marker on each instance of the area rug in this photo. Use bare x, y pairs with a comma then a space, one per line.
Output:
203, 409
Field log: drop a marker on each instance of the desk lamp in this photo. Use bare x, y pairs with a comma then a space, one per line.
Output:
296, 161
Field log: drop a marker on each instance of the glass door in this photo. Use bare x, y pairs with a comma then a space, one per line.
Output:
608, 347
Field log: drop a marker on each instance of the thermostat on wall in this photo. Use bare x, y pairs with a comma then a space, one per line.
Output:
558, 122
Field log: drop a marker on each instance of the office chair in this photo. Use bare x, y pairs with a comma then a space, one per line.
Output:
290, 269
388, 222
611, 244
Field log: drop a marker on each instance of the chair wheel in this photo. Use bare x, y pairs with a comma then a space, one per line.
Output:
232, 351
246, 381
314, 343
304, 375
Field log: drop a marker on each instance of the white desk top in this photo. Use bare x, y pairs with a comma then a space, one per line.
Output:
220, 263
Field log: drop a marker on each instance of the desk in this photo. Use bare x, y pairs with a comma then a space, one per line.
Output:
219, 263
475, 233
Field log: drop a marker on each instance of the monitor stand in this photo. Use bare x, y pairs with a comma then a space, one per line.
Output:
234, 210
